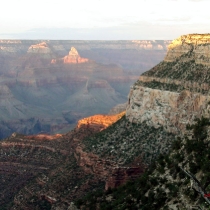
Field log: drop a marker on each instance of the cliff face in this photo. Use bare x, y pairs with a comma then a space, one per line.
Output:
176, 91
171, 110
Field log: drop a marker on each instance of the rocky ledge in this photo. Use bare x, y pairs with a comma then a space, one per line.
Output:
199, 44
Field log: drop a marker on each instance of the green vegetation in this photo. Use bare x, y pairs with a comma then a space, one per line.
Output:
183, 69
124, 141
164, 183
162, 86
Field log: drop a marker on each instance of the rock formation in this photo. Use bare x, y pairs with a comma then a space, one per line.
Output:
176, 91
99, 122
198, 44
165, 108
72, 57
39, 48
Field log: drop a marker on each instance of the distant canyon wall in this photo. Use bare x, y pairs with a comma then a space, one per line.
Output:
138, 55
47, 85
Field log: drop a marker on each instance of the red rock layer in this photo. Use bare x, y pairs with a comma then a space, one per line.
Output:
99, 122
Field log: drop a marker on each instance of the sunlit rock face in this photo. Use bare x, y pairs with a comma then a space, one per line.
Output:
176, 91
72, 57
198, 44
99, 122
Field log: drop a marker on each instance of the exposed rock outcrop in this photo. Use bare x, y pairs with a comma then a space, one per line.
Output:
171, 110
196, 43
176, 91
99, 122
108, 171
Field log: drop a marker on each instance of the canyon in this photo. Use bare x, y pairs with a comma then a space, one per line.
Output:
165, 131
147, 146
46, 86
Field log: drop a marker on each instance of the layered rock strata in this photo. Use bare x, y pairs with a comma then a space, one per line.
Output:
176, 91
196, 43
171, 110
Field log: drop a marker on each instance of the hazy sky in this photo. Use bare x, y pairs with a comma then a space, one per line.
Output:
103, 19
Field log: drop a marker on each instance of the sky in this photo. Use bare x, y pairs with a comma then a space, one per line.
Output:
103, 19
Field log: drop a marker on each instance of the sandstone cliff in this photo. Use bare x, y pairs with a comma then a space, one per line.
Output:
176, 91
